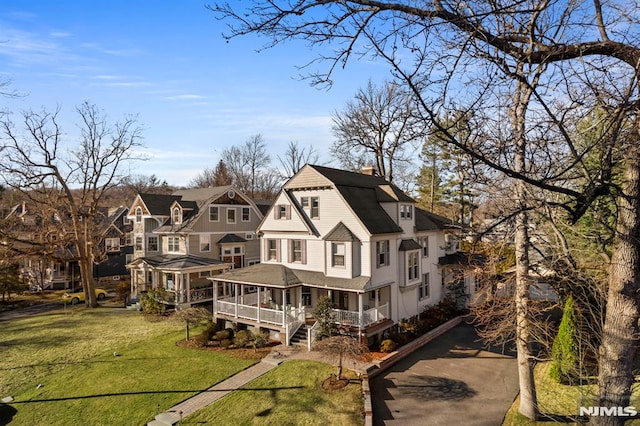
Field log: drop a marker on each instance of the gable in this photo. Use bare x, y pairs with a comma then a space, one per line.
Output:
291, 221
307, 177
138, 203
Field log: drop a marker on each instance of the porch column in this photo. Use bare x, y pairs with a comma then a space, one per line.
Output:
377, 303
361, 310
284, 307
235, 296
242, 293
215, 298
258, 304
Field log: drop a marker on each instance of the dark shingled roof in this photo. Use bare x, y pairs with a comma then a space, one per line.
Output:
345, 178
231, 238
159, 204
340, 232
409, 244
427, 221
365, 205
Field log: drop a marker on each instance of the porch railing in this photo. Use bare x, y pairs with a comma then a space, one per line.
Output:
369, 316
197, 295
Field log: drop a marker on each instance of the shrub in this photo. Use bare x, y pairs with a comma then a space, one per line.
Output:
261, 339
211, 330
225, 343
388, 345
222, 335
565, 353
151, 302
243, 338
323, 313
202, 339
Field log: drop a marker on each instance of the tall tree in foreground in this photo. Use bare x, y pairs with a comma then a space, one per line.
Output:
378, 127
445, 51
70, 178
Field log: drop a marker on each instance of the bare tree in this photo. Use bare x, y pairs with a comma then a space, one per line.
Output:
189, 316
376, 128
295, 157
249, 167
217, 176
71, 181
444, 51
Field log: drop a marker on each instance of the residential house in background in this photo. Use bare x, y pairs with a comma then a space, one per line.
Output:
352, 237
117, 248
181, 239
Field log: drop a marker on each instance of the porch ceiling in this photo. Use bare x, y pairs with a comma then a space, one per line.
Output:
275, 275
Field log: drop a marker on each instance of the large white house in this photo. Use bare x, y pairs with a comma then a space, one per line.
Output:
353, 237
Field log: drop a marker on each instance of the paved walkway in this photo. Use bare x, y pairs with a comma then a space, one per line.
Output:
277, 355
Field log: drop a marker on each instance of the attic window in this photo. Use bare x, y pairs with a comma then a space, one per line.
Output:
231, 193
138, 214
406, 211
176, 215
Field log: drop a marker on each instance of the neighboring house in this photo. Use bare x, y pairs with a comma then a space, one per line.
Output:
117, 250
353, 237
183, 238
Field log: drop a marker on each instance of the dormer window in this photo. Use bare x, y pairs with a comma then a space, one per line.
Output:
337, 254
138, 214
176, 215
406, 211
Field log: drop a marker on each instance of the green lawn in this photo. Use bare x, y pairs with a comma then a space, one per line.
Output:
291, 394
61, 369
556, 399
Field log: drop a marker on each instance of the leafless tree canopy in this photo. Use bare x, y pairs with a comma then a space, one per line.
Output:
295, 157
378, 128
523, 68
71, 178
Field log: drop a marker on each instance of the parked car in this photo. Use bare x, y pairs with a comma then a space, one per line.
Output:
77, 295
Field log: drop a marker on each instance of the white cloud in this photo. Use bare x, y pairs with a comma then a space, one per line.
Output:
185, 97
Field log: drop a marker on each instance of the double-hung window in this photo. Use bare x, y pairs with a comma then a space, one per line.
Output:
406, 211
424, 286
412, 266
425, 246
246, 214
297, 251
231, 215
315, 208
173, 244
337, 254
382, 253
205, 242
112, 244
152, 243
214, 214
273, 252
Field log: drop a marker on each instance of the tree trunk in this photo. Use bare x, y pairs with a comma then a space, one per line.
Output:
528, 397
620, 331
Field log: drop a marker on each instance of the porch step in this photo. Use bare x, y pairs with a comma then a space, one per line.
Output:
300, 336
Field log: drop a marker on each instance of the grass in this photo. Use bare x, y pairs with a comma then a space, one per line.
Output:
555, 399
61, 369
291, 394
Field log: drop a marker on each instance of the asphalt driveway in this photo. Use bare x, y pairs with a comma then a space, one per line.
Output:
451, 380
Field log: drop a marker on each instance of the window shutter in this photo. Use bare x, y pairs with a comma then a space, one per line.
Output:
289, 251
287, 210
276, 212
278, 250
304, 251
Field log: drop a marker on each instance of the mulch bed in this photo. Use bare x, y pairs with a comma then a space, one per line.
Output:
240, 353
334, 383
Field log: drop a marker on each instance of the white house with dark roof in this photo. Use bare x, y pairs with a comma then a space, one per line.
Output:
181, 239
353, 237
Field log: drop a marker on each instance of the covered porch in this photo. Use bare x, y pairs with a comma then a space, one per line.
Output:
184, 278
281, 299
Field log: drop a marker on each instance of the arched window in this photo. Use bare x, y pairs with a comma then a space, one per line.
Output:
176, 215
138, 214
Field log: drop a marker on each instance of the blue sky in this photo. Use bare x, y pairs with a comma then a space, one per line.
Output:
166, 61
